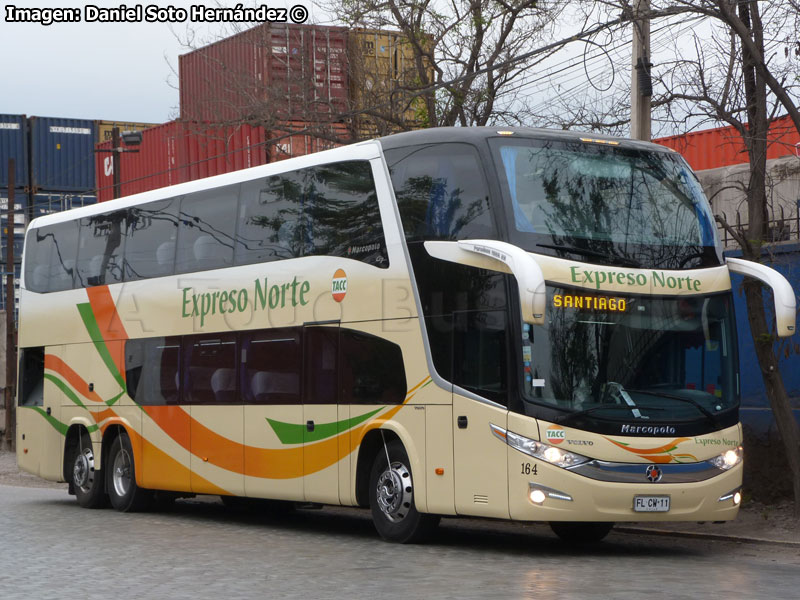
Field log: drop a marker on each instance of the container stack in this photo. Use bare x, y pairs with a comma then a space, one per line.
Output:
13, 144
181, 151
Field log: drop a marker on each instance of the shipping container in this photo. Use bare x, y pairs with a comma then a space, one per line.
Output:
723, 147
14, 144
272, 71
381, 63
62, 154
20, 210
17, 272
104, 128
153, 166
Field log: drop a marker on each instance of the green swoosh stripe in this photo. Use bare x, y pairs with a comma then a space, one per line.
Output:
65, 390
292, 433
55, 423
94, 332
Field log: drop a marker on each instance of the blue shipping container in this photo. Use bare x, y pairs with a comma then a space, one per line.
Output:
62, 154
19, 240
45, 203
14, 144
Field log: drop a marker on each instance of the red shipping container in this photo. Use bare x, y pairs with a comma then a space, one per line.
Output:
275, 70
153, 166
722, 147
177, 152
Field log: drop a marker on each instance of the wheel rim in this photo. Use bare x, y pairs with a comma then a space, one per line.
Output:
83, 470
122, 473
395, 492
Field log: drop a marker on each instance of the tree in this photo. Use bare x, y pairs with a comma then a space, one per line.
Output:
453, 44
743, 74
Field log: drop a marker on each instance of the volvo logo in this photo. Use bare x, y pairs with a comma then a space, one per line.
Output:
653, 473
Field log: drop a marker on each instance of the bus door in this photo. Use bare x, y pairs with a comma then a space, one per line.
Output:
321, 413
480, 370
40, 443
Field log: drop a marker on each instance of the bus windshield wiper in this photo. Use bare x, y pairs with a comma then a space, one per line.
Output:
587, 411
711, 416
627, 262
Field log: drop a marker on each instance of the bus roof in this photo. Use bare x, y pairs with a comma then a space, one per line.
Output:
477, 134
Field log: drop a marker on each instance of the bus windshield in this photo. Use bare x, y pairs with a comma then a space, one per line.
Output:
605, 204
637, 359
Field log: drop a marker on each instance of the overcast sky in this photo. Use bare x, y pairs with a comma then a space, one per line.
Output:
109, 71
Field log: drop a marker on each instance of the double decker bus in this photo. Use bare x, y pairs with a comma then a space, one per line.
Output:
518, 324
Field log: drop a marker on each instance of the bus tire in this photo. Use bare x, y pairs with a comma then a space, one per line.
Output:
123, 492
391, 498
87, 482
581, 533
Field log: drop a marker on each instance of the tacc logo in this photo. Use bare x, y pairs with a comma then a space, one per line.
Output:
555, 434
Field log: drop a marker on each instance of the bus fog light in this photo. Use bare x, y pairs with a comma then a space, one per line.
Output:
537, 496
728, 459
734, 496
539, 493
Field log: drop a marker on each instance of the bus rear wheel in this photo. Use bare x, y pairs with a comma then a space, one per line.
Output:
581, 533
87, 482
391, 498
123, 492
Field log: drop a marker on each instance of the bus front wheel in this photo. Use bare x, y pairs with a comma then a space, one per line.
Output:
391, 498
120, 470
581, 533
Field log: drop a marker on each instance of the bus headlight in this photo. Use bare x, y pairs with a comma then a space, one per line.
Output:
728, 459
551, 454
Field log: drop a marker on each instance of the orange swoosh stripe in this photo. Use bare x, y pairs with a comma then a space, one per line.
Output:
659, 450
57, 365
111, 328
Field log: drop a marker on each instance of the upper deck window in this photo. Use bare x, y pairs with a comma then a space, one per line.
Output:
601, 203
441, 192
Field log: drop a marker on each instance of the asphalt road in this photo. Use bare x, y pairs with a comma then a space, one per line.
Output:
51, 548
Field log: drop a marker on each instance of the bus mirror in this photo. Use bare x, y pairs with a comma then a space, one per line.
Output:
506, 258
782, 292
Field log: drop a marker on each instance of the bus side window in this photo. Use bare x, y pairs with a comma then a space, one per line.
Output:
441, 192
100, 248
342, 216
50, 257
150, 247
152, 370
206, 230
371, 369
269, 223
271, 363
209, 375
480, 352
31, 368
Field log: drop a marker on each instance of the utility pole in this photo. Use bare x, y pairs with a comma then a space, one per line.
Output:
641, 83
11, 337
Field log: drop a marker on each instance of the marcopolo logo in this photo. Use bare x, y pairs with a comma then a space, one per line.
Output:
555, 434
339, 285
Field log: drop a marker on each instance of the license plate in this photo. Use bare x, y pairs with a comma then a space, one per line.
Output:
651, 503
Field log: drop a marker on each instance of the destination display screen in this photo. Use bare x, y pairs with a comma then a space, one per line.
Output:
590, 302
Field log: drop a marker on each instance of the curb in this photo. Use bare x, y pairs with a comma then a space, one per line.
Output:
716, 537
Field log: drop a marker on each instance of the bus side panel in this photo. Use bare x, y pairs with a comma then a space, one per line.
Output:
217, 451
165, 448
273, 469
481, 483
439, 454
40, 431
